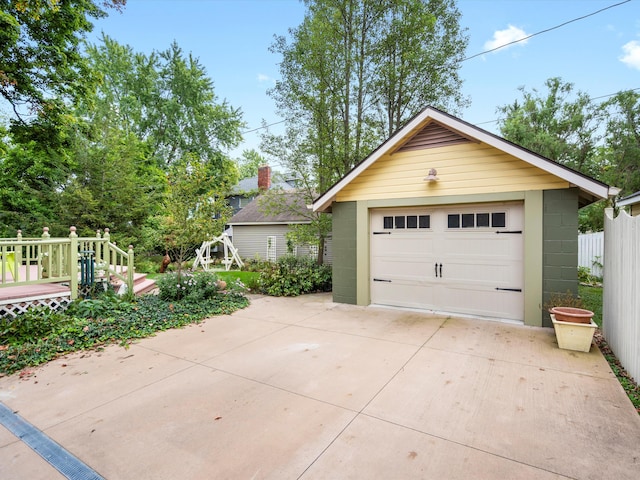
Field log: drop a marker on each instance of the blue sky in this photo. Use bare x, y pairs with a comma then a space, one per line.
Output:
599, 54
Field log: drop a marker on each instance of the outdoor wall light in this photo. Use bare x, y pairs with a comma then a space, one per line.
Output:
432, 176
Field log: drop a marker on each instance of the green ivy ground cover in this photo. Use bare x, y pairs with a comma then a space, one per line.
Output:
41, 335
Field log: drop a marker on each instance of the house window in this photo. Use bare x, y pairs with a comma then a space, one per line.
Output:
399, 221
271, 248
313, 251
424, 221
388, 222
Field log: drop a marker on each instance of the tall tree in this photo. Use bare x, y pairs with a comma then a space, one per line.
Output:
30, 178
417, 60
622, 143
560, 124
42, 73
599, 140
195, 209
355, 70
249, 162
115, 184
41, 62
166, 99
148, 112
189, 119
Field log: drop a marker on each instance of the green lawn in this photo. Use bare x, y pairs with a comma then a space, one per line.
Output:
232, 275
592, 300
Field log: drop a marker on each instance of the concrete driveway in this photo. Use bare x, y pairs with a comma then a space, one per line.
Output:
305, 388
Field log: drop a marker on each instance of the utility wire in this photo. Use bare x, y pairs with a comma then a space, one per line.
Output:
544, 31
498, 48
589, 98
263, 126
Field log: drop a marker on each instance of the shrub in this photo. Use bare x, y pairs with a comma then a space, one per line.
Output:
107, 303
148, 264
584, 274
192, 286
256, 264
567, 299
37, 322
291, 276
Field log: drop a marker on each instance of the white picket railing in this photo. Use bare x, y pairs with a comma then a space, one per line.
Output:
621, 302
591, 252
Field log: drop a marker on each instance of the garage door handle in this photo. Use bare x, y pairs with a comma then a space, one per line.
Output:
381, 280
382, 233
436, 266
511, 231
509, 289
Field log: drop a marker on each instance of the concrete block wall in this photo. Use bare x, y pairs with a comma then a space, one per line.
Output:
344, 252
560, 245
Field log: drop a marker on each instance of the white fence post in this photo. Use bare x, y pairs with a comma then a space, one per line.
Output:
621, 302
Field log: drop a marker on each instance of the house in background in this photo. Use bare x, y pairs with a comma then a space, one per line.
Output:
447, 217
248, 188
633, 202
259, 234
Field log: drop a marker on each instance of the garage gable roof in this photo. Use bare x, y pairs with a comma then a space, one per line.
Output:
433, 128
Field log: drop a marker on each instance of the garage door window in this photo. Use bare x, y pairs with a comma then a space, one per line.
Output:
477, 220
498, 220
482, 219
406, 222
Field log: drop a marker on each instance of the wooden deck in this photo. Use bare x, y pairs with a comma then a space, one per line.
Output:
22, 292
16, 299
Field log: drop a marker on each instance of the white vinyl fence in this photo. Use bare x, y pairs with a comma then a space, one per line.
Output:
591, 252
621, 302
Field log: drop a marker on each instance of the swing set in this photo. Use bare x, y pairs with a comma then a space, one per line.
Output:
203, 254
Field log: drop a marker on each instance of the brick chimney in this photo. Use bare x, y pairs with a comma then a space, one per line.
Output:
264, 177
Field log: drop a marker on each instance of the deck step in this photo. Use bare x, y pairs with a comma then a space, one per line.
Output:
141, 284
145, 286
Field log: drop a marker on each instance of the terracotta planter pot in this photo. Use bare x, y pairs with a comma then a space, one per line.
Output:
570, 314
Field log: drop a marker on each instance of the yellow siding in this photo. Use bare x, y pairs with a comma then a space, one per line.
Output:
463, 169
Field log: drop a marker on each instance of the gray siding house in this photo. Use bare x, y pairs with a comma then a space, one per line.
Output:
261, 235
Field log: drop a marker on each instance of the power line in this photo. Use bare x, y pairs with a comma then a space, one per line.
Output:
544, 31
500, 47
590, 98
263, 126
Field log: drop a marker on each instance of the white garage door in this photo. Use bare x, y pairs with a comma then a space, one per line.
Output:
460, 259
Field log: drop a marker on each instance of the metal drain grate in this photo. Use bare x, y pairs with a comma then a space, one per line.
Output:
63, 461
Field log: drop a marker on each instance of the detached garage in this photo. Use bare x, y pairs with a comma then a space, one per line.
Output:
447, 217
